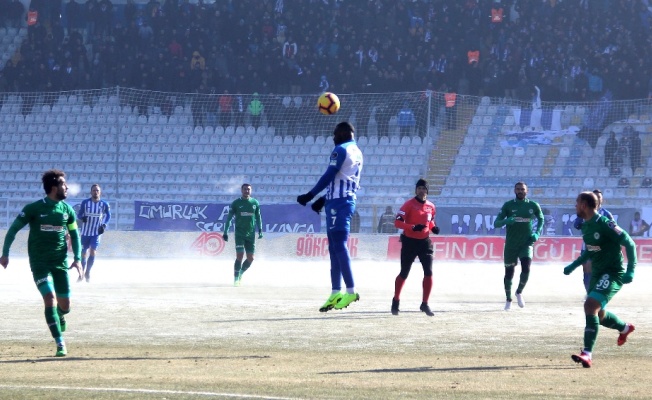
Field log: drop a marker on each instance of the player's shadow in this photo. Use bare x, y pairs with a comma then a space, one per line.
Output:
454, 369
76, 359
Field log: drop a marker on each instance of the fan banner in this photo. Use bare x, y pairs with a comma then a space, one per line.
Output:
210, 217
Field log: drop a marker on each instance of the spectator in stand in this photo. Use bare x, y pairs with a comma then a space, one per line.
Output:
635, 151
638, 226
255, 110
610, 150
226, 108
386, 221
406, 120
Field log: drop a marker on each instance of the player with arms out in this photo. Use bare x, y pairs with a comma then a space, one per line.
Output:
603, 239
341, 180
48, 220
518, 215
578, 225
246, 211
94, 213
417, 219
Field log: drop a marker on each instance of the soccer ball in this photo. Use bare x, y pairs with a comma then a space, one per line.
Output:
328, 103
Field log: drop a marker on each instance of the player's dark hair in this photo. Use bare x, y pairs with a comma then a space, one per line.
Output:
597, 191
50, 179
96, 184
243, 185
519, 183
345, 127
590, 199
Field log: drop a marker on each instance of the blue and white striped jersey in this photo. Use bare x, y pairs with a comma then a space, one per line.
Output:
96, 213
347, 159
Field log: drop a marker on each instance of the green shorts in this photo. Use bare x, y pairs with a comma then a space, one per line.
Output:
604, 287
512, 255
245, 244
53, 280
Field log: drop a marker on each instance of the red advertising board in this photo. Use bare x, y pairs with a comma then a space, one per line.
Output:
490, 248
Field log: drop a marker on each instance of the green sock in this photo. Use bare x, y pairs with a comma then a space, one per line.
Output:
522, 281
508, 288
591, 332
236, 268
52, 319
612, 321
245, 265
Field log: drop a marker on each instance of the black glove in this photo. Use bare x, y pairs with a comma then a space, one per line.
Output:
303, 199
418, 227
319, 204
225, 236
84, 219
101, 229
435, 230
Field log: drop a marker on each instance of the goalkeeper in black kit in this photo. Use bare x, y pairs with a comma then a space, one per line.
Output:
417, 219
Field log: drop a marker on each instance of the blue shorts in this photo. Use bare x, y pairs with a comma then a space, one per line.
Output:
338, 214
90, 241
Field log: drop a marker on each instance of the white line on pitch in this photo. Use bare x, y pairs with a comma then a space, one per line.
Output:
149, 391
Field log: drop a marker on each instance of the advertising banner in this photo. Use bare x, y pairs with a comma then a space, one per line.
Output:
210, 217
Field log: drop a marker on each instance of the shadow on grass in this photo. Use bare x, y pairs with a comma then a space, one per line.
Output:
68, 359
456, 369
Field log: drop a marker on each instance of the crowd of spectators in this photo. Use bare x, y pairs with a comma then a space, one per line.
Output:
573, 50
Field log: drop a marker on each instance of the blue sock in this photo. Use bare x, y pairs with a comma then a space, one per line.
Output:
587, 280
339, 250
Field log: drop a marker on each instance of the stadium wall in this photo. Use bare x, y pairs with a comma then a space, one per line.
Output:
210, 245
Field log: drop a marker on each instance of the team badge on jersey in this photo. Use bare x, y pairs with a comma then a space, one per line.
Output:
65, 216
596, 235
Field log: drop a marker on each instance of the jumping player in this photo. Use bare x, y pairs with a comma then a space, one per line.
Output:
95, 214
49, 219
578, 225
518, 214
603, 239
342, 180
417, 219
246, 211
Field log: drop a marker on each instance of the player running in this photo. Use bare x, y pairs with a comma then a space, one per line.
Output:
518, 215
341, 180
417, 219
48, 220
578, 225
603, 239
95, 214
246, 211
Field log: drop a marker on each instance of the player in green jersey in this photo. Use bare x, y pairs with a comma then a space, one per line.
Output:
603, 239
49, 219
518, 215
246, 211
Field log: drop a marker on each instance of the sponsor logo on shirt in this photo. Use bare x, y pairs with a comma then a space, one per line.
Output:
593, 248
51, 228
246, 214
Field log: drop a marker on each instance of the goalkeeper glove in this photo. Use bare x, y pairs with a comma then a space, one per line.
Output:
225, 236
318, 204
101, 229
260, 235
418, 227
628, 277
303, 199
435, 230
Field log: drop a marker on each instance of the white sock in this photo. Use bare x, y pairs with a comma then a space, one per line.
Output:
335, 291
626, 329
350, 290
588, 353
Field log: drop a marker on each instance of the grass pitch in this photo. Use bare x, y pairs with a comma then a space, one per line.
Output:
153, 330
